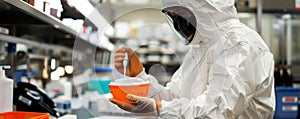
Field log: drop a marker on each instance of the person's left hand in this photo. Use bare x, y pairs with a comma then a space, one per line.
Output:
141, 105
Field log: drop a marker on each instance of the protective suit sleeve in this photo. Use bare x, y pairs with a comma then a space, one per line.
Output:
160, 92
226, 91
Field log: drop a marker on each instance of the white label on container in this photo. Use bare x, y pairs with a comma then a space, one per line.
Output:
25, 100
289, 108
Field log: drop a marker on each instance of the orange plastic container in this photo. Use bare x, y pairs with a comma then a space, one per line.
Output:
24, 115
120, 92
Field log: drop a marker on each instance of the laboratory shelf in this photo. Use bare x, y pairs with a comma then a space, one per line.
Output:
41, 16
12, 39
24, 20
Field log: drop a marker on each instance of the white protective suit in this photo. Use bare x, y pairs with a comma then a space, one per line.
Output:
227, 73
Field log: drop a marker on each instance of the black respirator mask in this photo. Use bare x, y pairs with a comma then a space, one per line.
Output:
182, 21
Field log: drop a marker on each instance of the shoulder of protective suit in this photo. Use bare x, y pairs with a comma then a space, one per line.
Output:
234, 36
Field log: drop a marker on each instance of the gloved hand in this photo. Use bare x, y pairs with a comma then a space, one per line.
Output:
134, 66
141, 105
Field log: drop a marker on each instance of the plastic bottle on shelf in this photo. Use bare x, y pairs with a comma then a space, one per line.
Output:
6, 92
99, 80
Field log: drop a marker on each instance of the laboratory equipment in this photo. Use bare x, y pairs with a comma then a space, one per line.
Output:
29, 98
125, 62
286, 102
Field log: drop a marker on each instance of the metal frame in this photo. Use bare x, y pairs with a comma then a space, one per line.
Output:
259, 12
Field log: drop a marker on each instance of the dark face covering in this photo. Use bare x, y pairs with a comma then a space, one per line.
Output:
182, 21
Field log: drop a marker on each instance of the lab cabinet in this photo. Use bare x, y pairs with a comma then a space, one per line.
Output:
45, 34
286, 102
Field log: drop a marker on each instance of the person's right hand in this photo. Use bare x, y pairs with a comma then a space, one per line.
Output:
134, 66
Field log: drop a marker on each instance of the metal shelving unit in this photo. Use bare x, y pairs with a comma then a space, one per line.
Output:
30, 10
22, 18
46, 34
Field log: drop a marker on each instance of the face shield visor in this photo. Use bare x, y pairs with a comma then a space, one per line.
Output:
182, 21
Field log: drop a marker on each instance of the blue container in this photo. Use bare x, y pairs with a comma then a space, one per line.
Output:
102, 70
100, 79
101, 86
286, 102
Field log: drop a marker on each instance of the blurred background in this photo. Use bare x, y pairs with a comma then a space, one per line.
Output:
66, 47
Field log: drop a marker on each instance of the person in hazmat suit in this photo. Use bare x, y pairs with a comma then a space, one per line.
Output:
226, 74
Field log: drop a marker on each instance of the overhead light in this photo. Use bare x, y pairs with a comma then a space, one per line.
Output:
60, 71
53, 64
136, 1
69, 69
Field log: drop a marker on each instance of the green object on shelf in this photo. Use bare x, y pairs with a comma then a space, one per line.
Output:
99, 85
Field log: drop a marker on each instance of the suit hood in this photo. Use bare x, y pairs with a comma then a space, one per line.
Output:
213, 17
